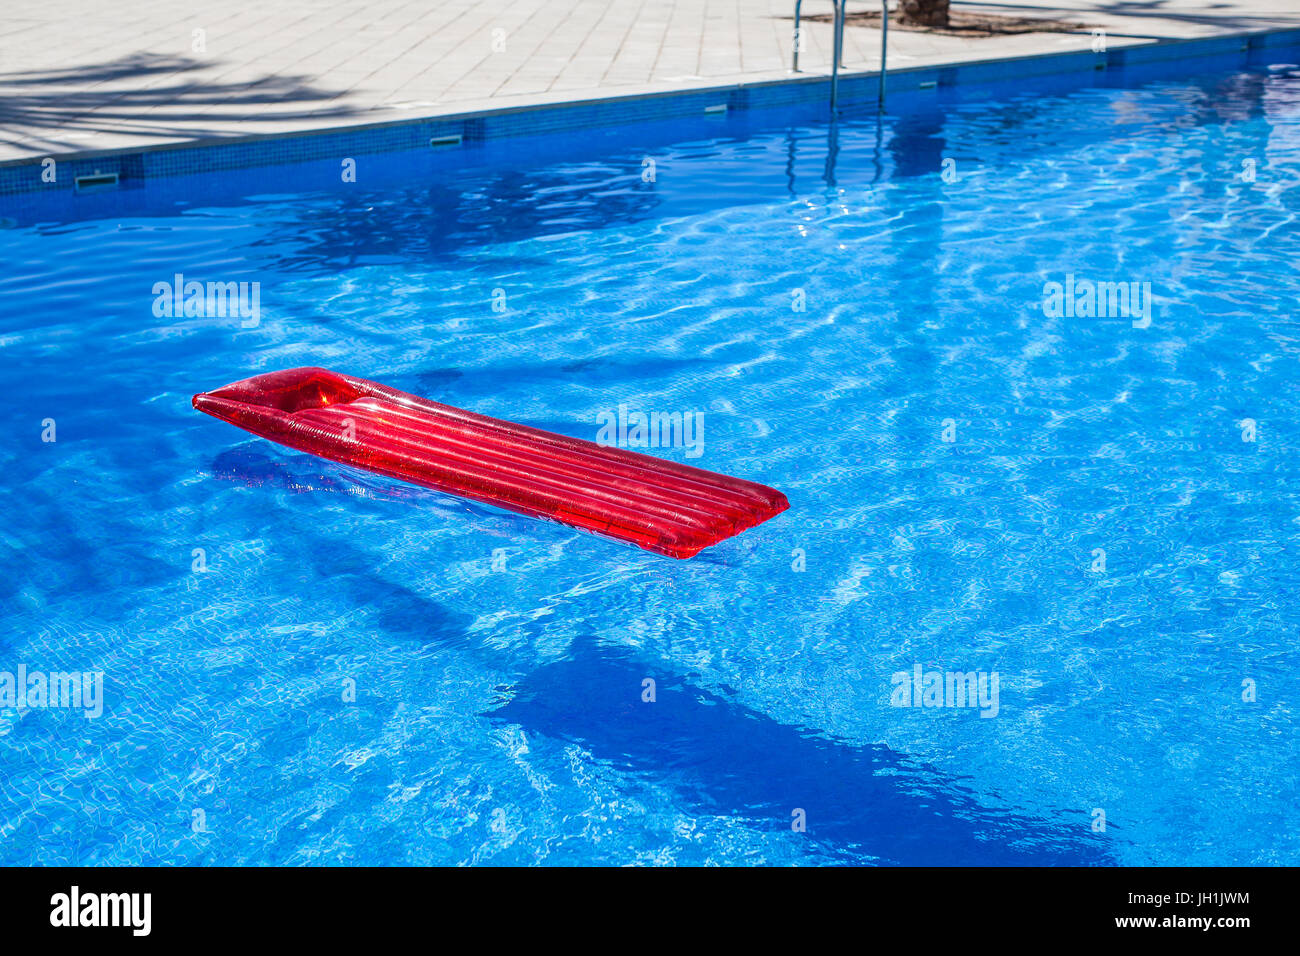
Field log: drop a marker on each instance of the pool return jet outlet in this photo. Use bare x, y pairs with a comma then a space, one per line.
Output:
838, 52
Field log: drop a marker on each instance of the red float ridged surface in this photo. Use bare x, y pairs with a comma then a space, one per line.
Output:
658, 505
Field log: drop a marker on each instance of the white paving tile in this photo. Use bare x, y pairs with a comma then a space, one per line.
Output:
129, 76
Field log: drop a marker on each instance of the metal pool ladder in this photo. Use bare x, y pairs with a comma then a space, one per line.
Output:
838, 52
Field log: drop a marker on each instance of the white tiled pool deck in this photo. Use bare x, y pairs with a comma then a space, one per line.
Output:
77, 76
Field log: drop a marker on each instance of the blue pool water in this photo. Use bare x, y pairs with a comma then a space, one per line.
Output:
499, 663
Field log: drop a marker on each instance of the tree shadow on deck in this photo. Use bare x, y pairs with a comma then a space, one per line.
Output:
151, 96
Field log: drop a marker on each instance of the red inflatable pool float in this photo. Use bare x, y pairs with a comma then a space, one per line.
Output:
658, 505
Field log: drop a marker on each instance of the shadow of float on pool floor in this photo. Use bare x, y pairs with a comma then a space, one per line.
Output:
863, 803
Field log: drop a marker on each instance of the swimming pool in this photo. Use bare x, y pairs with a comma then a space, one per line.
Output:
307, 664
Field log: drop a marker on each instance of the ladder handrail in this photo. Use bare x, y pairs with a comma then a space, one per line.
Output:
837, 53
884, 52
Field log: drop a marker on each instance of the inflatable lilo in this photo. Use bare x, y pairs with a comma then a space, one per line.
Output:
659, 505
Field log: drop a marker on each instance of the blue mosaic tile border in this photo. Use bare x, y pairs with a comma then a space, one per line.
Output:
136, 166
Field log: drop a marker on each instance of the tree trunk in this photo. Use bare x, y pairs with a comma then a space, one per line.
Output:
923, 13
